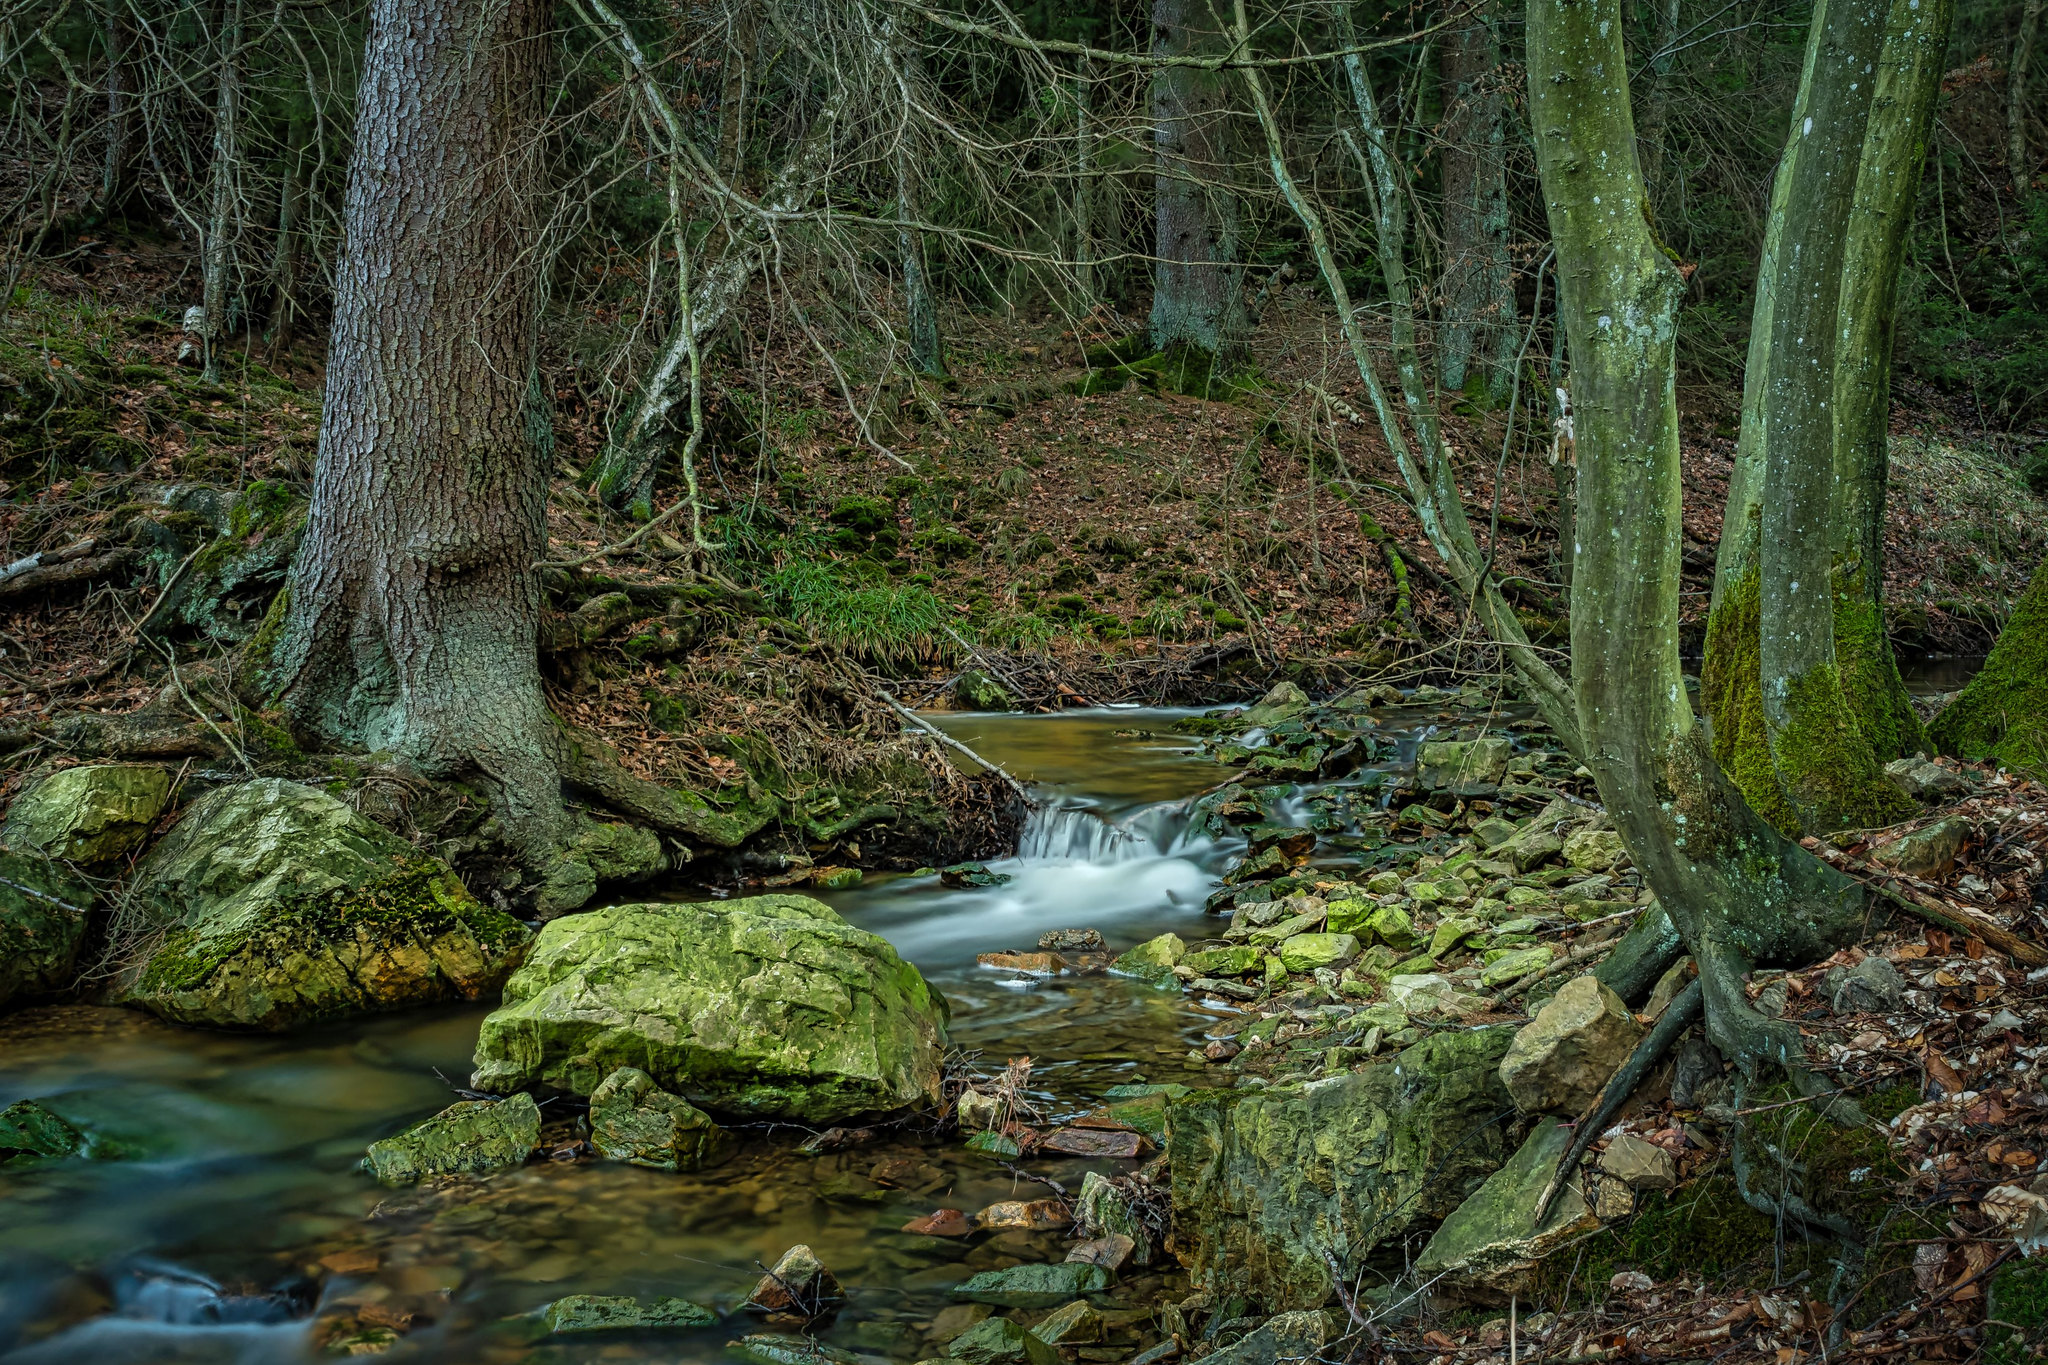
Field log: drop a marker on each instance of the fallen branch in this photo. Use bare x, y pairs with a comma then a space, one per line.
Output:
40, 573
942, 737
1920, 899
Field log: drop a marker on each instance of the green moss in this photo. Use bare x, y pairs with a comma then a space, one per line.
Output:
1834, 774
1731, 689
2018, 1313
1870, 674
2002, 715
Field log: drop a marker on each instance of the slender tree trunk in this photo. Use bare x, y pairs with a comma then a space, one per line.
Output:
1478, 336
413, 608
733, 93
1888, 177
2019, 165
927, 351
1738, 892
1197, 280
1653, 126
117, 174
219, 258
1084, 178
284, 265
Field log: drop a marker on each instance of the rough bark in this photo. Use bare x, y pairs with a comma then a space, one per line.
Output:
413, 611
921, 309
1197, 281
2019, 165
284, 261
1478, 336
1738, 893
117, 170
218, 259
2002, 714
1084, 178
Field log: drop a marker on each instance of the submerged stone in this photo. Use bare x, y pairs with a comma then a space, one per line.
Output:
634, 1120
465, 1138
29, 1130
279, 906
1072, 1324
89, 814
767, 1006
574, 1313
43, 913
769, 1348
1035, 1286
1268, 1186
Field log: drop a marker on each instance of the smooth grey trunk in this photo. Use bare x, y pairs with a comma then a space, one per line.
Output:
1084, 178
921, 309
1478, 335
1739, 893
2019, 165
413, 609
117, 169
218, 260
1197, 279
284, 261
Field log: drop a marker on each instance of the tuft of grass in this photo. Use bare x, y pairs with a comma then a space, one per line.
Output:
879, 623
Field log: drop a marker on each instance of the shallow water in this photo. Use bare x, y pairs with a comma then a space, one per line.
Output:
237, 1216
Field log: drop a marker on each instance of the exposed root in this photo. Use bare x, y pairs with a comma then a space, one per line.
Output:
1678, 1016
1644, 954
1787, 1208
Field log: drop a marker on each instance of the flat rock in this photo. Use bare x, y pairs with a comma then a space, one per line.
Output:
1459, 764
766, 1006
1306, 952
798, 1287
1035, 1286
941, 1223
88, 814
468, 1137
999, 1341
1490, 1245
578, 1313
271, 905
1595, 850
634, 1120
1030, 1215
1925, 780
1071, 1324
1927, 852
1639, 1163
1098, 1142
1290, 1337
1562, 1057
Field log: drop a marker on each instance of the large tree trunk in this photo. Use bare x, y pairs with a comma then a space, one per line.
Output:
1477, 338
1197, 281
413, 611
1739, 893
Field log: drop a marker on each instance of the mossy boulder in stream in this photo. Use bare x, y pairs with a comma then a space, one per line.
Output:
43, 911
271, 906
88, 814
769, 1006
468, 1137
1268, 1187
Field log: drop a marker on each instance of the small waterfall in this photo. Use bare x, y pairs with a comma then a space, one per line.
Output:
1074, 832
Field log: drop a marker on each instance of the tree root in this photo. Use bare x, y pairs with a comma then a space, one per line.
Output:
1644, 954
1787, 1207
1678, 1016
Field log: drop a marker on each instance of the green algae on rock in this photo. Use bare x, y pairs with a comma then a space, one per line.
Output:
633, 1120
1489, 1247
768, 1006
1267, 1186
89, 814
29, 1131
1045, 1285
578, 1313
43, 910
464, 1138
273, 906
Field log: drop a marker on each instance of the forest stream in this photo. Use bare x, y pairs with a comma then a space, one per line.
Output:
240, 1218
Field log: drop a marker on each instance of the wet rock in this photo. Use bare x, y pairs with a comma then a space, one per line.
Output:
1001, 1146
1595, 850
1030, 1215
1928, 852
962, 875
1872, 986
979, 1110
1285, 700
1112, 1252
1562, 1057
1153, 961
1924, 780
1292, 841
1104, 1210
955, 1318
975, 690
1238, 961
1640, 1164
1095, 1142
999, 1341
465, 1138
908, 1173
1073, 1324
29, 1130
840, 878
43, 915
771, 1348
1259, 867
1268, 1185
1035, 1286
1306, 952
1516, 965
767, 1006
1071, 941
941, 1223
1290, 1337
797, 1287
1490, 1246
579, 1313
634, 1120
271, 906
1456, 765
1031, 964
89, 814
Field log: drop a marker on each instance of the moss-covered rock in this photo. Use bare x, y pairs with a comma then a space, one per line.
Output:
770, 1006
580, 1313
1035, 1286
273, 906
634, 1120
30, 1131
1490, 1245
2002, 715
43, 910
464, 1138
89, 814
1268, 1186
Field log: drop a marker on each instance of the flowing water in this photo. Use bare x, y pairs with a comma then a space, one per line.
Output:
236, 1222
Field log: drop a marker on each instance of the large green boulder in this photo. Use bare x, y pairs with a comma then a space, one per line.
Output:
1269, 1186
89, 814
43, 912
271, 906
767, 1007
